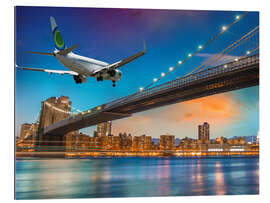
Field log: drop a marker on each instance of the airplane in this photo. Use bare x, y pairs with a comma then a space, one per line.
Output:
82, 67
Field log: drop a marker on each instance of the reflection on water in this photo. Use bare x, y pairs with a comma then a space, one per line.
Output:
220, 184
135, 177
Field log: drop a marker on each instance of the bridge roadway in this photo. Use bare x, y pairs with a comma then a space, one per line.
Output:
236, 75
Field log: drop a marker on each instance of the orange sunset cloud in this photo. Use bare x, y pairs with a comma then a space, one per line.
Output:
219, 110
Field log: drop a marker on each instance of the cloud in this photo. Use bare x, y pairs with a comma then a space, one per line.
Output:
220, 59
182, 119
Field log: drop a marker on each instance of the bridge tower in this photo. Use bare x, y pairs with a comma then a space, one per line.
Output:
53, 110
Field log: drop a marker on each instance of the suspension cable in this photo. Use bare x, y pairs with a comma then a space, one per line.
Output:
226, 50
200, 49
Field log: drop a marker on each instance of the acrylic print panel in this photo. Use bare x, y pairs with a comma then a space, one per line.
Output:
136, 102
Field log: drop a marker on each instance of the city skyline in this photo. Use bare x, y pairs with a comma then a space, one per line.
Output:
234, 112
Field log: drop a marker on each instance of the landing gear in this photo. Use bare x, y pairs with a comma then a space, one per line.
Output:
113, 83
99, 78
77, 79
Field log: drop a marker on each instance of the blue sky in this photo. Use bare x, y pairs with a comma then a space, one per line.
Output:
111, 34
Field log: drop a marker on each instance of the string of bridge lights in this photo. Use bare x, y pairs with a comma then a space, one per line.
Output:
64, 111
190, 55
54, 108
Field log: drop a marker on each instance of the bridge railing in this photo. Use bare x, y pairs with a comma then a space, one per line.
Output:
181, 82
210, 72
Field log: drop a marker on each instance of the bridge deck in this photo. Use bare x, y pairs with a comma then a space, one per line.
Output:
241, 74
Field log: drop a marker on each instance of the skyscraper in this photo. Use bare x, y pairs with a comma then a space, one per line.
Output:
200, 133
104, 129
204, 132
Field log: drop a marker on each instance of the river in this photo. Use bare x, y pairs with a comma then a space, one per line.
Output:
135, 177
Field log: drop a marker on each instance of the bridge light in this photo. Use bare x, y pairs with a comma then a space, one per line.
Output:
162, 74
180, 62
236, 59
98, 108
189, 55
225, 66
141, 89
200, 47
237, 17
224, 28
248, 52
155, 80
171, 69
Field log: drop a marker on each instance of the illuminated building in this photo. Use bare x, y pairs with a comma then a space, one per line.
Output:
142, 142
103, 129
166, 142
115, 142
125, 141
204, 133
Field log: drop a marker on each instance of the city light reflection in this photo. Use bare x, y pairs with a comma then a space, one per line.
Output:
219, 179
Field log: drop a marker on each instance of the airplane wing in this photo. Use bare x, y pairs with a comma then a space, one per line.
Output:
61, 72
122, 62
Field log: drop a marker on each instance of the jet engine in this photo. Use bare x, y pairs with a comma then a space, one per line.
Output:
112, 73
80, 79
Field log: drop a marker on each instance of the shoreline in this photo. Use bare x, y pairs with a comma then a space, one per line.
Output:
193, 154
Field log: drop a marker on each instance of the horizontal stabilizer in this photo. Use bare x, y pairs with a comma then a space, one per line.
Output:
41, 53
68, 50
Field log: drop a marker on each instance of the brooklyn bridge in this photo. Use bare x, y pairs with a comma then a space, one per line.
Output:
214, 76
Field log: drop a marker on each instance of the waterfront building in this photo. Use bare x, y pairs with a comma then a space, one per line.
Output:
190, 144
142, 142
237, 141
103, 129
204, 133
125, 141
166, 142
115, 142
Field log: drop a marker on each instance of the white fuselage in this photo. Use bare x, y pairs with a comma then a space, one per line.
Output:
85, 66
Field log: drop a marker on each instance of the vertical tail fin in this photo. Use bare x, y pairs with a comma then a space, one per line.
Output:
57, 37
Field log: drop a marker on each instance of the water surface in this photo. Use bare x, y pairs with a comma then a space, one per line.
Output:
135, 177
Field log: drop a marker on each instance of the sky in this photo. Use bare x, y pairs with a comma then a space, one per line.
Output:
110, 35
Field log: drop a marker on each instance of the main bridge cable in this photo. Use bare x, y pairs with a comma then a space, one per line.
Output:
37, 118
225, 51
63, 111
222, 55
27, 134
200, 49
241, 57
179, 64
